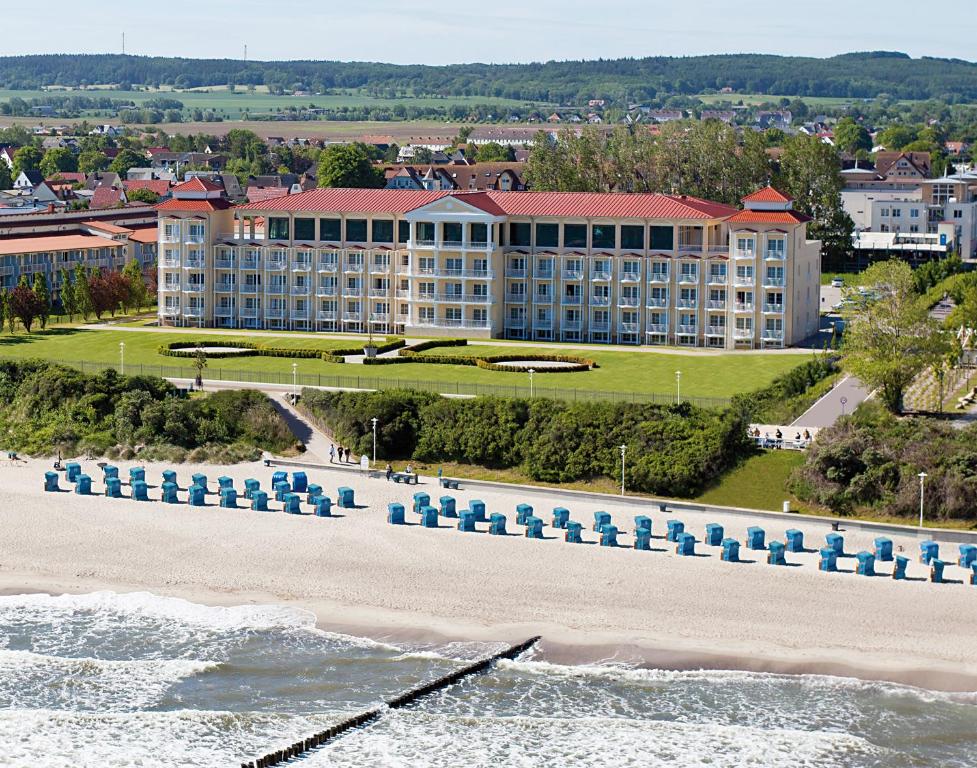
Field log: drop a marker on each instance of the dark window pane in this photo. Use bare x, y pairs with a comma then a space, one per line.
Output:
574, 235
661, 238
277, 229
547, 235
632, 236
403, 231
603, 236
305, 229
330, 229
479, 233
383, 231
425, 231
356, 230
452, 232
520, 234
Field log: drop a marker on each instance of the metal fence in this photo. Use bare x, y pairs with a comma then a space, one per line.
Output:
443, 387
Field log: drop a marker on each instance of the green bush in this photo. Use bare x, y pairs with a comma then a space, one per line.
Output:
673, 450
788, 395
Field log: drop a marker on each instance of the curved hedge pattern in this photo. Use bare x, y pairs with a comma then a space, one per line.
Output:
412, 354
250, 349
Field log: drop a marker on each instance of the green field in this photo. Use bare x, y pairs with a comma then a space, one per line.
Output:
637, 372
757, 483
850, 278
233, 103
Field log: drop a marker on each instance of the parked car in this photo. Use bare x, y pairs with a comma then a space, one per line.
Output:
837, 282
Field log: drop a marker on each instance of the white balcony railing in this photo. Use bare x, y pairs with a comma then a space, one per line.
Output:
627, 301
774, 255
326, 290
773, 282
274, 265
657, 328
687, 303
193, 288
571, 301
250, 264
600, 301
600, 274
542, 298
516, 273
686, 330
658, 277
301, 290
772, 335
743, 254
715, 330
628, 327
301, 266
716, 304
742, 333
743, 306
250, 288
744, 281
327, 266
656, 302
326, 314
572, 274
686, 279
717, 279
775, 309
223, 287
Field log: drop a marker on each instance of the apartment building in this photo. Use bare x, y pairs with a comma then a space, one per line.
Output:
607, 268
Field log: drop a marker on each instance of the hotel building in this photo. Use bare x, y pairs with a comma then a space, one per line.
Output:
572, 267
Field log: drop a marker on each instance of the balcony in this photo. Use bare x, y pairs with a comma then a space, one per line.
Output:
517, 273
300, 314
717, 249
658, 277
169, 311
326, 314
630, 277
193, 288
715, 330
773, 282
600, 326
658, 302
352, 317
247, 263
301, 265
543, 298
695, 248
744, 280
326, 266
326, 290
715, 279
275, 313
743, 254
379, 269
571, 325
774, 255
194, 264
249, 312
222, 287
276, 290
171, 288
515, 322
515, 298
423, 270
743, 306
600, 275
401, 294
774, 309
223, 263
301, 290
773, 335
355, 291
742, 333
249, 288
686, 330
193, 312
600, 301
572, 274
571, 301
379, 293
628, 301
353, 269
379, 317
687, 303
657, 328
274, 265
170, 262
429, 297
422, 243
715, 304
688, 279
627, 327
543, 274
453, 323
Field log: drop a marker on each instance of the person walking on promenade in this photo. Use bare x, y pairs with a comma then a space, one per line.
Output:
332, 453
390, 471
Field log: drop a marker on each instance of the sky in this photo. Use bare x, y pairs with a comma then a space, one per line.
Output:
498, 31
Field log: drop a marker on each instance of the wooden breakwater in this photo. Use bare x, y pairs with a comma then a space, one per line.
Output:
321, 738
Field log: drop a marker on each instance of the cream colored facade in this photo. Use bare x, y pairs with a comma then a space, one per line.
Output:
450, 267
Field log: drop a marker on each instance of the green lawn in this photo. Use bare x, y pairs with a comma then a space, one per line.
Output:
637, 372
850, 278
757, 483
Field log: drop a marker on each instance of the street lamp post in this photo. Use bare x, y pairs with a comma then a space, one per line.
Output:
295, 389
678, 387
922, 495
531, 372
623, 449
122, 358
374, 422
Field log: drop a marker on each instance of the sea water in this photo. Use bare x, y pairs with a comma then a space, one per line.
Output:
139, 680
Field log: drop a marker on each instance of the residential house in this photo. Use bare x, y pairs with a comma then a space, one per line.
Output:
108, 196
28, 180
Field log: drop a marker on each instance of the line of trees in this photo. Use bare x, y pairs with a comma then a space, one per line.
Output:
84, 292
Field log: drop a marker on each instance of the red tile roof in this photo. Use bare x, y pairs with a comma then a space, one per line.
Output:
214, 204
767, 195
57, 243
196, 184
68, 177
106, 197
768, 217
105, 226
575, 204
260, 194
145, 235
160, 186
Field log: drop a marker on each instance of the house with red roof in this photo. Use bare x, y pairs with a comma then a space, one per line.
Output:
661, 269
108, 196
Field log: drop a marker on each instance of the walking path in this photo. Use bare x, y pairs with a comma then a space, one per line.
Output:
843, 398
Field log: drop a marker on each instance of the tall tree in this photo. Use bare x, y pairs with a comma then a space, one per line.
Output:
5, 307
25, 306
889, 336
68, 303
125, 160
58, 160
851, 137
83, 293
811, 172
92, 161
26, 159
348, 165
43, 295
138, 293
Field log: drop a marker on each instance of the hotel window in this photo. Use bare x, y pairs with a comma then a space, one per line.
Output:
689, 272
424, 231
745, 245
603, 236
631, 269
305, 229
884, 212
171, 231
478, 233
662, 238
520, 233
277, 228
897, 213
330, 229
632, 237
425, 289
776, 246
452, 232
479, 315
403, 232
744, 273
547, 235
914, 213
197, 232
382, 231
659, 270
574, 235
425, 314
958, 214
356, 230
452, 314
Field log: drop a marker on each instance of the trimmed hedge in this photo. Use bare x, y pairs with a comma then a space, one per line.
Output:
250, 349
188, 348
415, 349
412, 354
490, 363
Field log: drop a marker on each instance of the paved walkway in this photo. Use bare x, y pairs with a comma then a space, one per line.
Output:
830, 407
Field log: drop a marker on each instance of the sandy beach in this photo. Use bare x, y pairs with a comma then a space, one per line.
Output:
360, 575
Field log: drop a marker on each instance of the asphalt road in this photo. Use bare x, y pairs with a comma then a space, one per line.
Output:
829, 408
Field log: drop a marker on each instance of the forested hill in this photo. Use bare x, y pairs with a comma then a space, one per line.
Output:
853, 75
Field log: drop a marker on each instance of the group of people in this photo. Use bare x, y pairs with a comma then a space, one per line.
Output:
345, 454
778, 437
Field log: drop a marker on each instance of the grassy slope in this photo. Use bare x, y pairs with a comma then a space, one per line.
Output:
757, 483
716, 376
